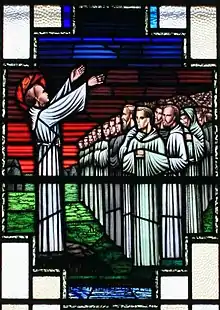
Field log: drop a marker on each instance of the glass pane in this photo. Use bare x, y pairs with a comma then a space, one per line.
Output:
16, 27
15, 270
46, 287
153, 16
174, 287
205, 271
203, 32
172, 17
47, 16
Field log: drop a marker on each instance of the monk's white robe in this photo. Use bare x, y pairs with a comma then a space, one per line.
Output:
45, 124
81, 172
172, 200
86, 174
194, 138
91, 174
126, 192
98, 204
207, 164
101, 161
114, 215
145, 203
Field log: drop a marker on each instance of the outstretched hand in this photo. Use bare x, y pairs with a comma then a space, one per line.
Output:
76, 73
95, 80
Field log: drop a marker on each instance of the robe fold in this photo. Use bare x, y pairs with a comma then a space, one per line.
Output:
114, 215
143, 228
81, 173
101, 160
86, 174
207, 164
195, 143
172, 203
45, 125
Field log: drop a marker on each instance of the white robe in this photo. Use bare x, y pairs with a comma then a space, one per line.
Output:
143, 232
194, 138
126, 190
86, 174
45, 124
172, 243
207, 165
82, 173
114, 215
101, 160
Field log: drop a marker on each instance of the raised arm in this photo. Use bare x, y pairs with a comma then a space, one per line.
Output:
67, 87
61, 108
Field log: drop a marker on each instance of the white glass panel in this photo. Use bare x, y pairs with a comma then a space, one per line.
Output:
172, 17
174, 307
15, 268
174, 287
16, 31
15, 307
203, 32
47, 16
205, 307
46, 307
205, 271
46, 287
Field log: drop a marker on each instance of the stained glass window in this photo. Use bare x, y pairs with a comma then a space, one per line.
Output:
110, 166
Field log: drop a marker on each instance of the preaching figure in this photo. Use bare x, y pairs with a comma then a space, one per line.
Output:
45, 115
195, 143
172, 200
145, 156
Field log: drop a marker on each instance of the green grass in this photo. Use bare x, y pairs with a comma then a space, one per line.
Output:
20, 222
208, 219
21, 201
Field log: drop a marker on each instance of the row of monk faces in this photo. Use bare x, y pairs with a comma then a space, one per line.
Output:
161, 117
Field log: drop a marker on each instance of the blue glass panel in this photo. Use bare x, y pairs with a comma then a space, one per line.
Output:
139, 48
67, 16
153, 17
109, 293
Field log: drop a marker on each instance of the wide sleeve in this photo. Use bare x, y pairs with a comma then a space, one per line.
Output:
64, 90
198, 143
156, 162
176, 151
129, 158
153, 163
124, 147
101, 157
61, 108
